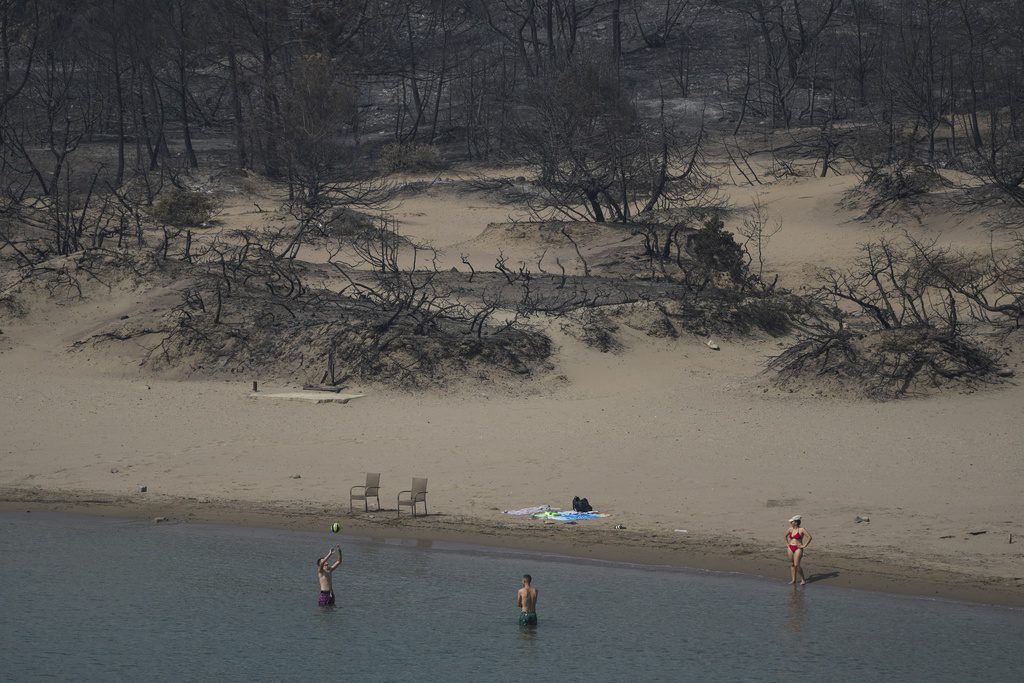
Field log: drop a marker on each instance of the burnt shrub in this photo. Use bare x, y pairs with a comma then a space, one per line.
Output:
184, 208
716, 250
410, 157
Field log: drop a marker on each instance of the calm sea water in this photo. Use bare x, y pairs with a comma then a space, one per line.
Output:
86, 599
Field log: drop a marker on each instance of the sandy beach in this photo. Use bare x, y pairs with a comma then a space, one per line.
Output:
665, 435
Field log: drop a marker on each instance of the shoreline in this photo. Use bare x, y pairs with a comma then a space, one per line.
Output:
845, 567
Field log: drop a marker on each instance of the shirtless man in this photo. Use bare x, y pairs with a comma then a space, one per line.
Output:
526, 601
323, 572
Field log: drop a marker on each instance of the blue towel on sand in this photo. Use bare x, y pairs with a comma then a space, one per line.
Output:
562, 516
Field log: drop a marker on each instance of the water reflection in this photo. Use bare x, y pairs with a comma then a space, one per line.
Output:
796, 613
527, 633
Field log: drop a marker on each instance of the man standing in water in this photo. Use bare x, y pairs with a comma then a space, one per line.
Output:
323, 573
526, 601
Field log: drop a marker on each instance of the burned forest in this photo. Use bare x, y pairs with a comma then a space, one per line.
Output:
240, 167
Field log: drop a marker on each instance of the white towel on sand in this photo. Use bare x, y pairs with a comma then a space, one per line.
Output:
529, 511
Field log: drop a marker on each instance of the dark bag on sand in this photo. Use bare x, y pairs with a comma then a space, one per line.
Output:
581, 505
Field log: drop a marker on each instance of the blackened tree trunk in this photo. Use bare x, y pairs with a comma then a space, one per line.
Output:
119, 89
183, 89
241, 154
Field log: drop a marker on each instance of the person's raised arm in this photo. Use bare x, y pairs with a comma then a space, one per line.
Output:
338, 562
325, 557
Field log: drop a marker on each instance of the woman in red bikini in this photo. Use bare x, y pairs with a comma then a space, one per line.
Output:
797, 538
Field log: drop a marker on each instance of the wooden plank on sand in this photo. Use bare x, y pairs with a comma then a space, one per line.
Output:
309, 396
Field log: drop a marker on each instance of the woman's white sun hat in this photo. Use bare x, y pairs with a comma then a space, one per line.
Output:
795, 518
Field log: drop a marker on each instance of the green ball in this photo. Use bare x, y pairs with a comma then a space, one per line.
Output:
335, 527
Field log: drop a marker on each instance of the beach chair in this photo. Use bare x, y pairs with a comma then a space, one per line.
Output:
370, 490
417, 494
